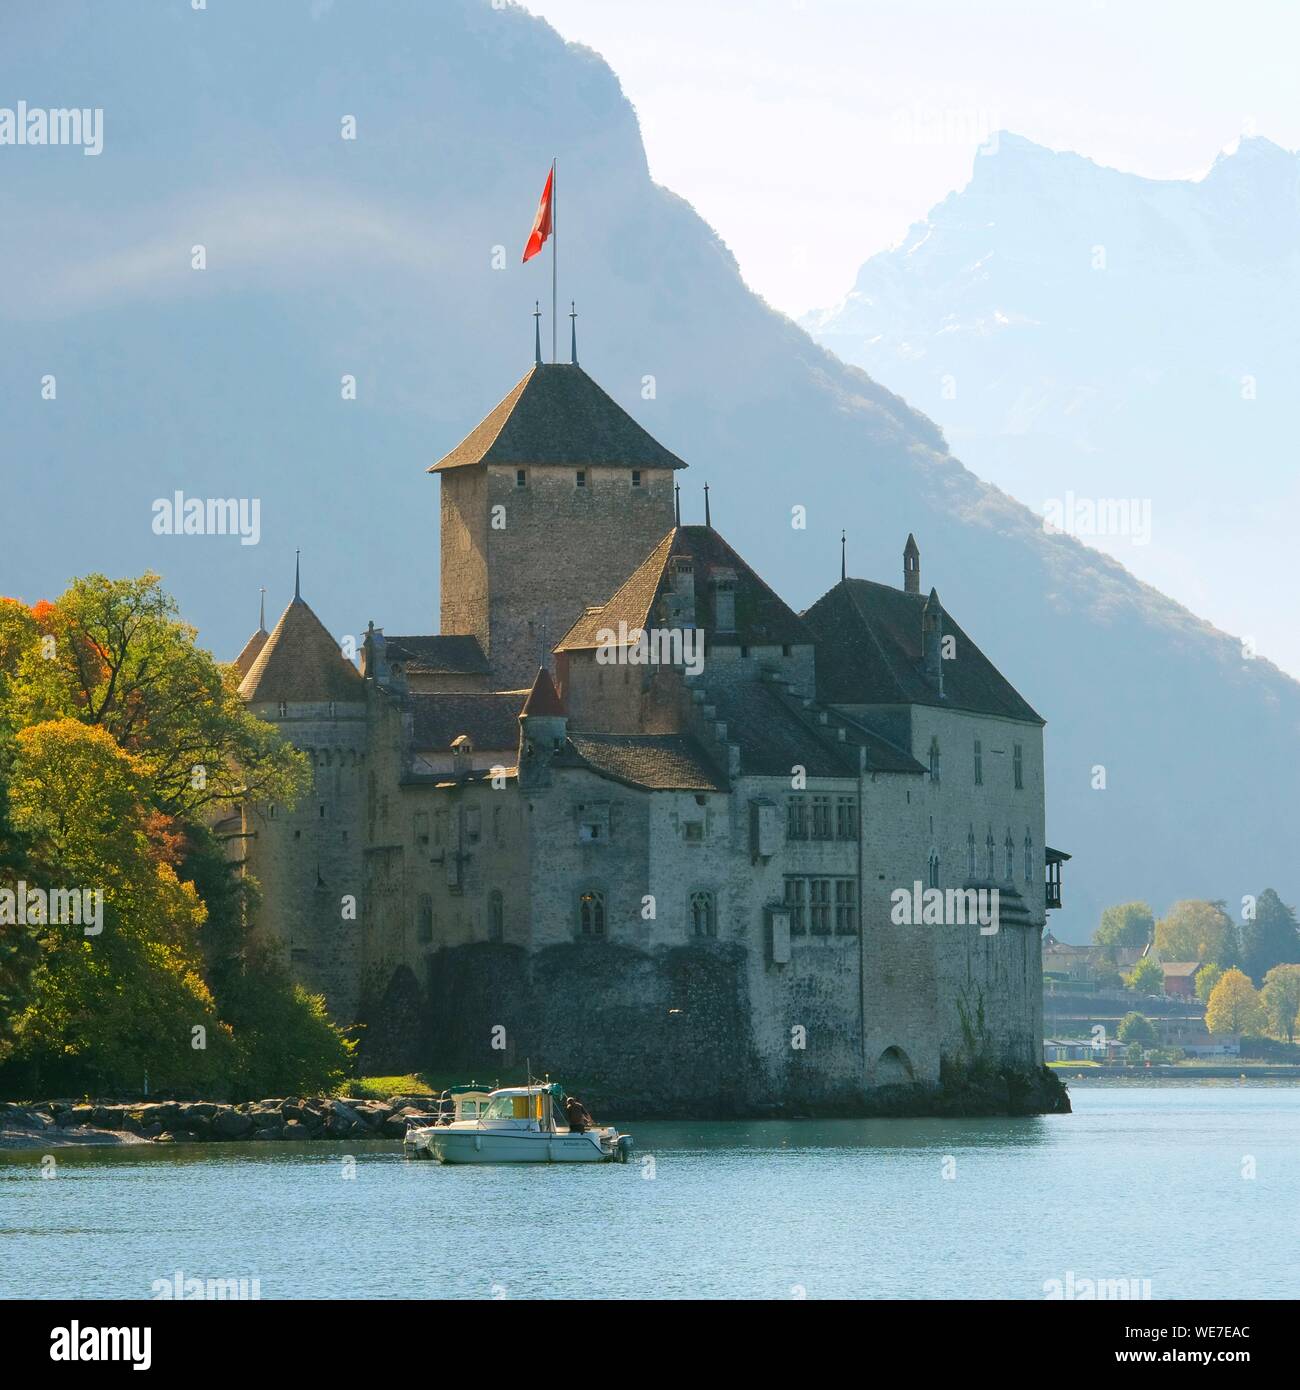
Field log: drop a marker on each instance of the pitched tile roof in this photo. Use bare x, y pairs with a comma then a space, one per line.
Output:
300, 661
491, 719
869, 653
441, 654
762, 618
244, 661
660, 762
558, 415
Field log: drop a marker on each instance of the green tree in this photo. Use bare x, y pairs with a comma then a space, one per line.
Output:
1147, 976
1192, 930
1234, 1006
121, 659
1270, 938
1136, 1028
1280, 997
124, 995
1206, 978
1125, 925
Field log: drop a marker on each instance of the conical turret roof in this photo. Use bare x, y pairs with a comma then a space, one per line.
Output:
543, 698
300, 661
252, 649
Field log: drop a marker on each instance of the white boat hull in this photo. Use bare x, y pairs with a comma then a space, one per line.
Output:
455, 1145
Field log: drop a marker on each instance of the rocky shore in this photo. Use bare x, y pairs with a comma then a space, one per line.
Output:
60, 1123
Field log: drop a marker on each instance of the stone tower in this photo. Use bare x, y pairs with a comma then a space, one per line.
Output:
308, 860
547, 506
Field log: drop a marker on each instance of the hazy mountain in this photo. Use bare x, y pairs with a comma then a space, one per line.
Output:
1076, 330
375, 257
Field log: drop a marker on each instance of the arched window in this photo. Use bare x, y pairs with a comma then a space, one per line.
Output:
970, 852
989, 850
1010, 858
934, 760
496, 916
704, 917
934, 868
1029, 857
591, 913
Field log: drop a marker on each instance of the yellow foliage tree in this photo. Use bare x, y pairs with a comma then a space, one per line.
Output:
1234, 1006
1191, 930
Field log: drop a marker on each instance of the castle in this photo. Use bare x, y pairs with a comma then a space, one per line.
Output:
632, 818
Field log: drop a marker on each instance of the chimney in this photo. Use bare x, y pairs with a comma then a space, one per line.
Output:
911, 566
932, 640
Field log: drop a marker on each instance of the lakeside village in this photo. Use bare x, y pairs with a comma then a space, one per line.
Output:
1194, 990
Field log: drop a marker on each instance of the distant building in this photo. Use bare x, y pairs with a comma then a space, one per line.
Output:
1180, 977
631, 817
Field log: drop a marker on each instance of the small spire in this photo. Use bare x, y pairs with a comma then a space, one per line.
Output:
261, 612
573, 333
677, 504
707, 519
537, 332
297, 576
844, 574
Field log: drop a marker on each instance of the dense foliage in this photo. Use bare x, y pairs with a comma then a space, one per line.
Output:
125, 958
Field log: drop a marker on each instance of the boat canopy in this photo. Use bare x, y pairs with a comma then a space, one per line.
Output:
551, 1088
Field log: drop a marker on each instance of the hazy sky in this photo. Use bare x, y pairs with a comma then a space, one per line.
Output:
811, 133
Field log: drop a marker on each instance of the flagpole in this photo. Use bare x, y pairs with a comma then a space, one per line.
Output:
555, 242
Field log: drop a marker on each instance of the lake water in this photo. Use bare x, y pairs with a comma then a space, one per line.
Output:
1139, 1183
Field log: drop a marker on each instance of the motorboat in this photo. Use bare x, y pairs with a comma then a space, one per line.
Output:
516, 1124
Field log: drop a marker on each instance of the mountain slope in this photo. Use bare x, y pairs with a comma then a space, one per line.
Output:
1077, 330
375, 258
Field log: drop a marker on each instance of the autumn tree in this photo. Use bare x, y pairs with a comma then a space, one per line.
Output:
122, 995
1192, 930
121, 659
1280, 997
1234, 1006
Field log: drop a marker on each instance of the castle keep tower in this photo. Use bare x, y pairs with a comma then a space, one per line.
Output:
546, 507
307, 860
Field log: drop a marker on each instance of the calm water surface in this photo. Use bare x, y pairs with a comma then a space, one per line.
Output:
1145, 1183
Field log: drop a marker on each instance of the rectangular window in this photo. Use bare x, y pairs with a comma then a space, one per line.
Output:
521, 477
796, 823
795, 890
846, 818
424, 920
582, 477
422, 827
636, 477
821, 818
846, 907
1018, 766
979, 763
819, 902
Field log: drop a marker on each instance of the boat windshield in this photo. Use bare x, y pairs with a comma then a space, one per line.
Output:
507, 1108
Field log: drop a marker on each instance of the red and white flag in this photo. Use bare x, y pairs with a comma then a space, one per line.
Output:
542, 222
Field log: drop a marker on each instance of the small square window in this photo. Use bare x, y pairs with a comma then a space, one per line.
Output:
693, 832
582, 477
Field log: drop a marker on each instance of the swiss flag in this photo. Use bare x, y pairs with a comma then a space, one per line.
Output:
542, 222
